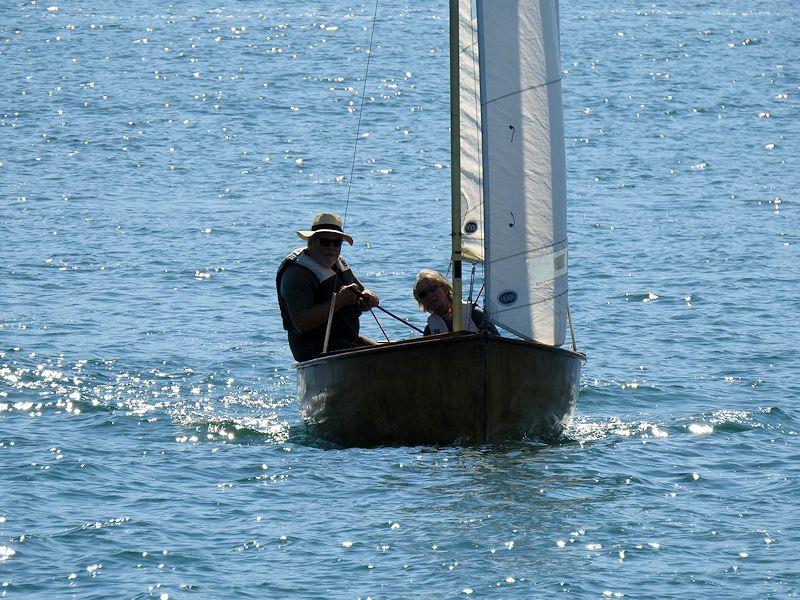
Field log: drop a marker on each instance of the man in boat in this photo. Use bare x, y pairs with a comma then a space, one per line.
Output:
434, 294
306, 282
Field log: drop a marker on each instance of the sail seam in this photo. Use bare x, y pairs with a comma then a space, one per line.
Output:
527, 89
532, 250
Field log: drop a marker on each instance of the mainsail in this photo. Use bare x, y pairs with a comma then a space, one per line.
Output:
519, 213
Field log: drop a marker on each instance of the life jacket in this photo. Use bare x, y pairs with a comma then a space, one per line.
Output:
437, 324
345, 324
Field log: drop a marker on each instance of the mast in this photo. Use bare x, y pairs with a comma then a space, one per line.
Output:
455, 163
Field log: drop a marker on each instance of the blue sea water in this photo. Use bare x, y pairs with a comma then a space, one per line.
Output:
156, 160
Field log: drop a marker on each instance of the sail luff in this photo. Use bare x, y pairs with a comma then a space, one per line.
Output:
484, 181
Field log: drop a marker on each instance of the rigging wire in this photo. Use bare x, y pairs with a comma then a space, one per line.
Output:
374, 316
472, 282
353, 163
402, 320
360, 113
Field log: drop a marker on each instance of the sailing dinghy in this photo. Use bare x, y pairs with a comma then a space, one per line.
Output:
508, 181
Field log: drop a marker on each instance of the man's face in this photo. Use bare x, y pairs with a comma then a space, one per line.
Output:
325, 248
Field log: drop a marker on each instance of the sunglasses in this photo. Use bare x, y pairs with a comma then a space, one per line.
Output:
424, 293
327, 242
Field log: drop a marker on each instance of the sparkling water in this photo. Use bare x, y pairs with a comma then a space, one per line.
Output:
156, 161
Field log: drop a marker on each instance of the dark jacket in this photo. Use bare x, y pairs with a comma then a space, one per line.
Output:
301, 283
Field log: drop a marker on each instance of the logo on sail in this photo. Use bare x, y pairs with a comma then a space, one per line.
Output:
471, 227
508, 297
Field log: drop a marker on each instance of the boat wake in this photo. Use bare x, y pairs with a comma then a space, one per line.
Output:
587, 430
243, 430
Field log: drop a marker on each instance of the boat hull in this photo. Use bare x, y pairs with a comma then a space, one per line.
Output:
445, 389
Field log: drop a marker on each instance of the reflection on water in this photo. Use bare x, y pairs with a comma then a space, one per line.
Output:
158, 161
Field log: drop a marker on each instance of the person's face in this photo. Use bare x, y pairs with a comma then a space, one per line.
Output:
325, 248
433, 297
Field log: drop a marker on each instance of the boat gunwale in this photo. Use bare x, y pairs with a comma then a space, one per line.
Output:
446, 338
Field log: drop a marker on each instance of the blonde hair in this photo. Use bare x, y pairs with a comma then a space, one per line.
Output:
434, 277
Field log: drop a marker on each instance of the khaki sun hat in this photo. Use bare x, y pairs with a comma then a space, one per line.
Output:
326, 223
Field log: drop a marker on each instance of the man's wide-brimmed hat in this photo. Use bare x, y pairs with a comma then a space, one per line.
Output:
326, 223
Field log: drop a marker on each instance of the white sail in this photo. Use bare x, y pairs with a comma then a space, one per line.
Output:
470, 128
524, 170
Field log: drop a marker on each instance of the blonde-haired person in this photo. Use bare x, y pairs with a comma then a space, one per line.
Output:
434, 294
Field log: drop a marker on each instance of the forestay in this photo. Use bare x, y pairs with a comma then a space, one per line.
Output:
522, 165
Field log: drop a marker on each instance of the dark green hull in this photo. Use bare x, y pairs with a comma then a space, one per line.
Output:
445, 389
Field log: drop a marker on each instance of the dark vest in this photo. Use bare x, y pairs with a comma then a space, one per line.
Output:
345, 326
